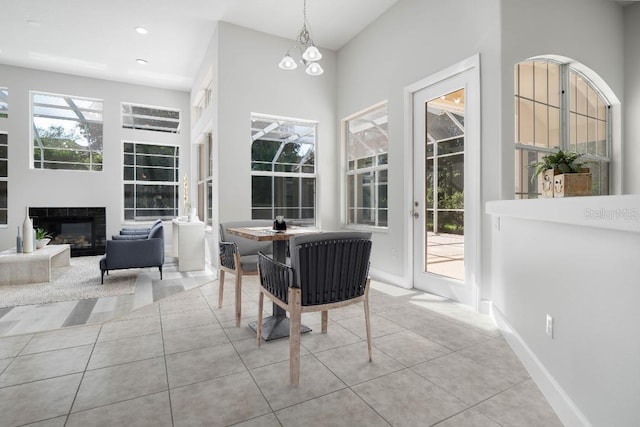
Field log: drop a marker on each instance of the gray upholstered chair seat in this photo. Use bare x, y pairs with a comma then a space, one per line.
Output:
249, 263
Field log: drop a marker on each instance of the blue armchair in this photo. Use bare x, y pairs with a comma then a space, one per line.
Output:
139, 251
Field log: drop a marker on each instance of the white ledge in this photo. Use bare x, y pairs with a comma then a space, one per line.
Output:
621, 213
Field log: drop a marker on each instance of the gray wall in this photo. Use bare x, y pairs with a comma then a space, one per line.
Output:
632, 98
413, 40
249, 81
33, 187
587, 31
591, 291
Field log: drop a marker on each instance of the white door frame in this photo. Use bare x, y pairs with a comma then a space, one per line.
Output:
473, 209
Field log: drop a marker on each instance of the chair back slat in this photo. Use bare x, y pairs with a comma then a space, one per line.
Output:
275, 277
332, 270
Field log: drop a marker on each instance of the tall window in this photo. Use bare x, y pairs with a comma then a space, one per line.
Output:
283, 173
367, 152
4, 102
67, 132
205, 180
151, 181
4, 139
144, 117
558, 108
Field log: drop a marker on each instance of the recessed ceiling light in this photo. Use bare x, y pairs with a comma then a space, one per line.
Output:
33, 23
141, 30
141, 61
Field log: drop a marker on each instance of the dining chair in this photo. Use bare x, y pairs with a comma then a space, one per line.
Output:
327, 271
239, 256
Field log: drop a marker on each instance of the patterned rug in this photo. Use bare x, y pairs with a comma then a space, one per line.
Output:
80, 280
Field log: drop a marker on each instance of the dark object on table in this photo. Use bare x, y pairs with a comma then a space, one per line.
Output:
239, 256
132, 252
328, 270
279, 224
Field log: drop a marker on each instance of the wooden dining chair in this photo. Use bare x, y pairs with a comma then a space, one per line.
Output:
239, 256
327, 271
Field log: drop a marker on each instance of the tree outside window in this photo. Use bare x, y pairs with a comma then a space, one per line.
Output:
283, 180
67, 132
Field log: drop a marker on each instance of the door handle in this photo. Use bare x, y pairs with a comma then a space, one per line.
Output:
416, 215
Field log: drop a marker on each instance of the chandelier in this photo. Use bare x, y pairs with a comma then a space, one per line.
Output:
310, 53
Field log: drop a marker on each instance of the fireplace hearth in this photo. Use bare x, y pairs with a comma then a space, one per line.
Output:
83, 228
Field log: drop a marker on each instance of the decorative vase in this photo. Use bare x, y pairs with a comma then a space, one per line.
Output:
18, 242
27, 234
193, 216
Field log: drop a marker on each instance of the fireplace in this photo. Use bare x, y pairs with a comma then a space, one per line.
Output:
84, 229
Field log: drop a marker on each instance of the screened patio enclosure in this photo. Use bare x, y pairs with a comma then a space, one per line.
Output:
283, 175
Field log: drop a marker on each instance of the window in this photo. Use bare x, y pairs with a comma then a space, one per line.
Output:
151, 181
67, 132
283, 179
557, 107
4, 159
4, 102
205, 180
367, 152
144, 117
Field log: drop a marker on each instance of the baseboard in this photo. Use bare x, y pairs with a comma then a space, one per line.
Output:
561, 403
391, 279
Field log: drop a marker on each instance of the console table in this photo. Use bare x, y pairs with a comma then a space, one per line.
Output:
188, 245
34, 267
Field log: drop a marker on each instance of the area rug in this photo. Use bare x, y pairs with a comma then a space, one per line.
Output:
80, 280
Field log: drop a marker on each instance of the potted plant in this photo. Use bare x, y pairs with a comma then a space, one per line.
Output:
562, 174
43, 237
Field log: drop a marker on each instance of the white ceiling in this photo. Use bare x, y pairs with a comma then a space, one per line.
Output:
96, 38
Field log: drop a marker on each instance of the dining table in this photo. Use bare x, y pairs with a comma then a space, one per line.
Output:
276, 325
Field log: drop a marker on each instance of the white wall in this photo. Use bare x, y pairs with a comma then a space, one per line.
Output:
587, 31
411, 41
632, 98
585, 276
249, 81
33, 187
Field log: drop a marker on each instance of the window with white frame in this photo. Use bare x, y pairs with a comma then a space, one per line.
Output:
67, 132
4, 102
283, 173
558, 108
151, 181
367, 160
145, 117
205, 180
4, 160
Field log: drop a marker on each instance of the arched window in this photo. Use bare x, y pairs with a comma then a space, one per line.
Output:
558, 107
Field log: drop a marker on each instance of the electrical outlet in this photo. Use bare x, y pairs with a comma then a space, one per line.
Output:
549, 325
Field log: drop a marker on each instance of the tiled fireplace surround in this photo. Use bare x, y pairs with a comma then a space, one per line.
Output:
84, 228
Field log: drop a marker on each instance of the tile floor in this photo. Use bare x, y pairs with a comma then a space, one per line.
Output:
180, 361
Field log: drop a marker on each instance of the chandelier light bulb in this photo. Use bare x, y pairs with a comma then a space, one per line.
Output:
287, 63
312, 54
314, 69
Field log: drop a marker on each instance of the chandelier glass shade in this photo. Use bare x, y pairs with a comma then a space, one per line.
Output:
308, 51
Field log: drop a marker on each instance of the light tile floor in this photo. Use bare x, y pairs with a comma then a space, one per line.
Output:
180, 361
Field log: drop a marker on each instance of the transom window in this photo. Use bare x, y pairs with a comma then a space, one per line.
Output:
367, 152
4, 102
145, 117
283, 178
67, 132
151, 181
557, 107
4, 159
